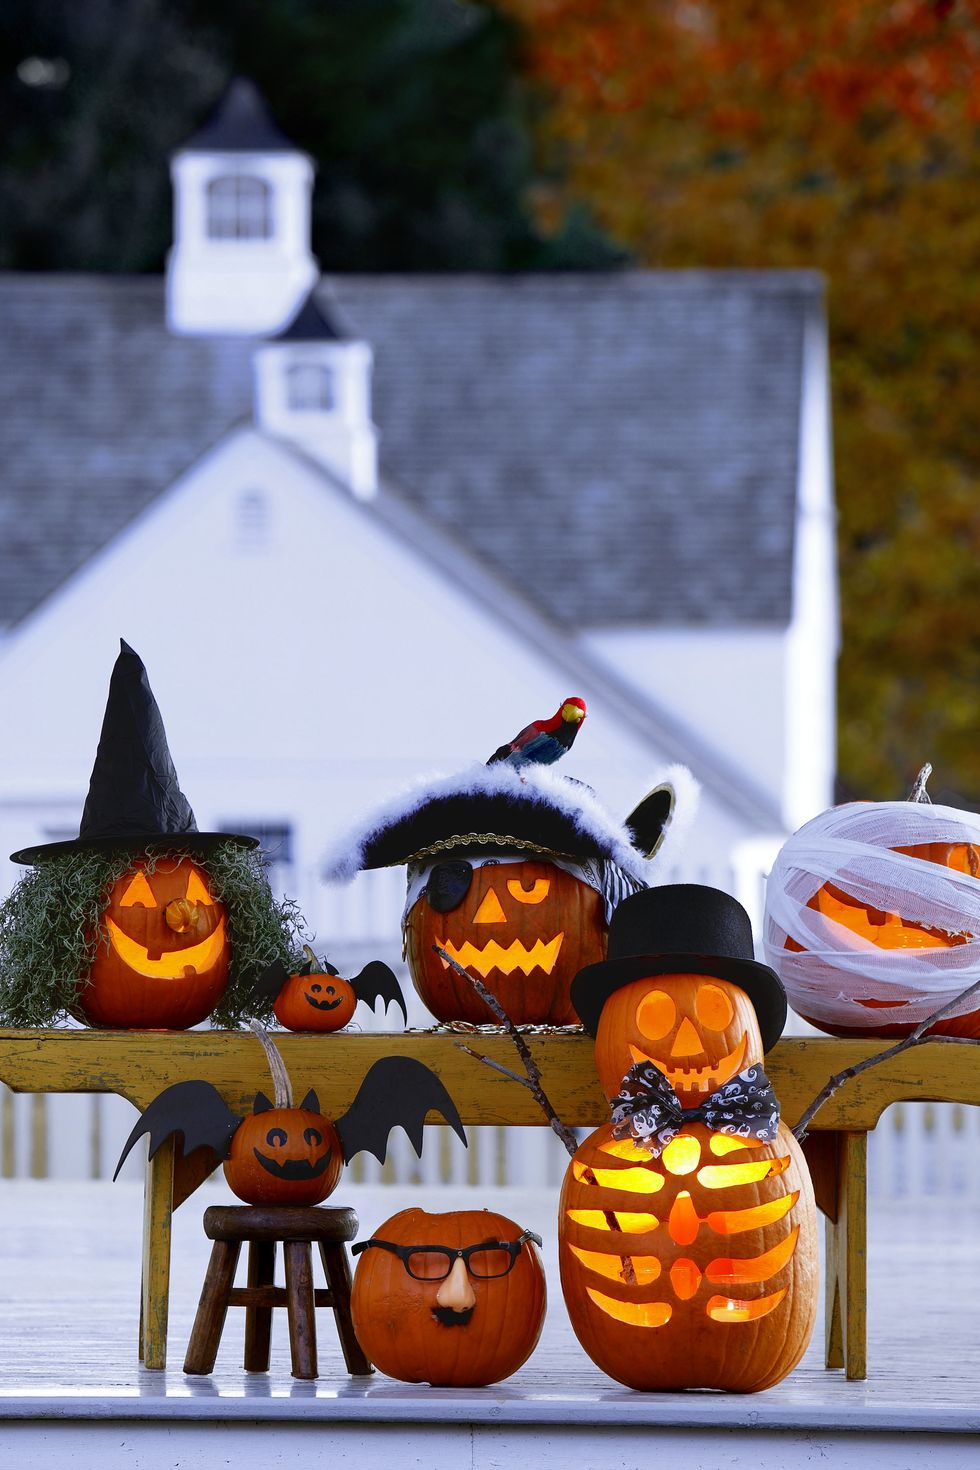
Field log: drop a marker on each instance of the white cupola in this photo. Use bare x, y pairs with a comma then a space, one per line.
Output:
241, 260
313, 386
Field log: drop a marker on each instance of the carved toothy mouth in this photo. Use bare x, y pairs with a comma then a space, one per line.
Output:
697, 1079
506, 959
176, 964
294, 1168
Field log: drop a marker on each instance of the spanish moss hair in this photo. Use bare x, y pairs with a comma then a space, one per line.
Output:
52, 924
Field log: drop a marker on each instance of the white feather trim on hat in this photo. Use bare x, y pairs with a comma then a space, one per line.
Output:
535, 785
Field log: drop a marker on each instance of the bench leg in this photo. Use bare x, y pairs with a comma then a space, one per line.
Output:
212, 1308
155, 1284
337, 1271
258, 1320
299, 1307
846, 1261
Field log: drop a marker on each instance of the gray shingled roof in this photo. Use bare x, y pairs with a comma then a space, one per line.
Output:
622, 447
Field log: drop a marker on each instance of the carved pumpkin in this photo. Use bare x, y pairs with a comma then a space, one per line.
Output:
470, 1320
315, 1002
697, 1269
525, 928
849, 1003
284, 1155
163, 963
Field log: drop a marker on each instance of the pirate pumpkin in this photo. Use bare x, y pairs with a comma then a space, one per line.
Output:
512, 871
283, 1155
317, 998
136, 922
873, 917
687, 1229
456, 1300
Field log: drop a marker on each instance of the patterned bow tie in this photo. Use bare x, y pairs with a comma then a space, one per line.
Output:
649, 1110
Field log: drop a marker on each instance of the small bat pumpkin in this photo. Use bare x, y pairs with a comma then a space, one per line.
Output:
280, 1154
316, 997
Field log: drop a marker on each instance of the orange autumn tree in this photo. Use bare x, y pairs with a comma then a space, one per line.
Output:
841, 136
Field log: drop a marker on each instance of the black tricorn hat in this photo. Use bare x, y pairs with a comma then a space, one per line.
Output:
681, 928
134, 798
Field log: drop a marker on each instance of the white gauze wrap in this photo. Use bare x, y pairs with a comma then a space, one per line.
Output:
850, 847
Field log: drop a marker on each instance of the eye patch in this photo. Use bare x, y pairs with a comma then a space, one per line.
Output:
448, 885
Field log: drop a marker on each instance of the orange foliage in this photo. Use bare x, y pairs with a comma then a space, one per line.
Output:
842, 136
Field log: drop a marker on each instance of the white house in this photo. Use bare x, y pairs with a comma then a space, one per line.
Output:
368, 531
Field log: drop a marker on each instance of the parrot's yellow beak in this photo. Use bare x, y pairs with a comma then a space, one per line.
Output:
573, 713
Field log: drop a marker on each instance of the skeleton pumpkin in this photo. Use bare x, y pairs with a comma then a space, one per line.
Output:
873, 915
456, 1300
687, 1244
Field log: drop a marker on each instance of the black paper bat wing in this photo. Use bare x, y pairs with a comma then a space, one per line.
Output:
195, 1109
397, 1092
267, 987
376, 981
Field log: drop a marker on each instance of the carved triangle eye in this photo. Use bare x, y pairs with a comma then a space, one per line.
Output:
197, 890
139, 891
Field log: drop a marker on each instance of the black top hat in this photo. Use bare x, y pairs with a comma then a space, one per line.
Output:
681, 928
134, 798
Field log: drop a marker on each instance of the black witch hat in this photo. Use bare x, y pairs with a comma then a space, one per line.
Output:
134, 798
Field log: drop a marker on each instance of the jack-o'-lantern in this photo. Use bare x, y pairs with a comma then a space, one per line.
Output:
514, 873
525, 928
143, 920
894, 920
283, 1155
687, 1226
317, 998
163, 961
456, 1300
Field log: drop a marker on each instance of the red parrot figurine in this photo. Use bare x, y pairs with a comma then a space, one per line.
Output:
544, 741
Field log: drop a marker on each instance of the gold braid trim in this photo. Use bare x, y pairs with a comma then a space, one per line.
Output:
486, 839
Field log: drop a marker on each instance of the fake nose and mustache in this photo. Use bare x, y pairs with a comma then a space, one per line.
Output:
455, 1298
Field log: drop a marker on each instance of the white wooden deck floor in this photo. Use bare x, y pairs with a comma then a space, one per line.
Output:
70, 1385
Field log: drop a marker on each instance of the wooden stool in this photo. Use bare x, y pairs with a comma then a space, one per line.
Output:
262, 1227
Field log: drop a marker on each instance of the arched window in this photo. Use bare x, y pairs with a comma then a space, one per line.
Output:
239, 208
309, 385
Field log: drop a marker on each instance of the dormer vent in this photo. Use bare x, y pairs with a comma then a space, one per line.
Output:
313, 386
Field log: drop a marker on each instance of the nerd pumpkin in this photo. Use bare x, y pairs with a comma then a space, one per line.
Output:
142, 921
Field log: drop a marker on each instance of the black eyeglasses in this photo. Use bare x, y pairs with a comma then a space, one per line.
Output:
434, 1262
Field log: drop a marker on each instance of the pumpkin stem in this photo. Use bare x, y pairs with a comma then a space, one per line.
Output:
918, 791
314, 963
280, 1077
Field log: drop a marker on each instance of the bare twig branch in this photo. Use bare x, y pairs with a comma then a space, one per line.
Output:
913, 1039
530, 1065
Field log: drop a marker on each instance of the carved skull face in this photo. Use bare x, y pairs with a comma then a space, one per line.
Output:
699, 1031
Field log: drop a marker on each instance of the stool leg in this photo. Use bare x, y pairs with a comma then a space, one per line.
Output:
258, 1320
299, 1306
336, 1269
203, 1346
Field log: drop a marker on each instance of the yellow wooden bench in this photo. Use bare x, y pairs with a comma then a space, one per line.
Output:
139, 1065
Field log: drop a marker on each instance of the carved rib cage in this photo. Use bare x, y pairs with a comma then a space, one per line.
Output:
694, 1270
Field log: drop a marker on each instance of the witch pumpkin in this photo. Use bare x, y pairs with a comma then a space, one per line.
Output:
513, 871
142, 921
